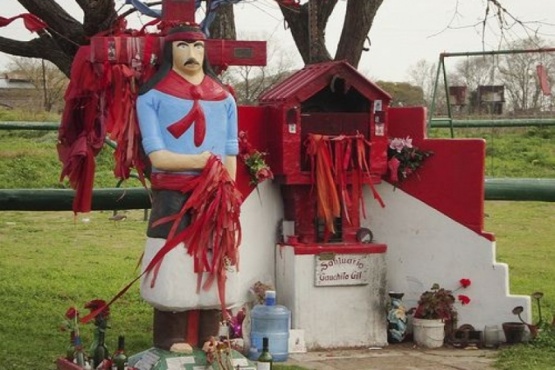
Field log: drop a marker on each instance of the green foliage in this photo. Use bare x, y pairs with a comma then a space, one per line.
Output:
403, 93
436, 303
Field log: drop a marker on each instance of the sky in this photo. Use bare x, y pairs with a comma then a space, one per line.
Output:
403, 32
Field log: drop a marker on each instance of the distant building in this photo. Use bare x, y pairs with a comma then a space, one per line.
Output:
18, 91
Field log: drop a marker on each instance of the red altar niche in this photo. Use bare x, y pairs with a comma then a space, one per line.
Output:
332, 101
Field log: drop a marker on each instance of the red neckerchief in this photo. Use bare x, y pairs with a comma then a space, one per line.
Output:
177, 86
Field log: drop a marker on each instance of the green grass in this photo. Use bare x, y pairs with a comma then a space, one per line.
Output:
50, 261
513, 152
525, 239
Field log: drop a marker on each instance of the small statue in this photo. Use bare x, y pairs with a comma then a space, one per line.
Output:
396, 318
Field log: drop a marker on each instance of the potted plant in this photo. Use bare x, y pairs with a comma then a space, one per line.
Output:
514, 331
436, 307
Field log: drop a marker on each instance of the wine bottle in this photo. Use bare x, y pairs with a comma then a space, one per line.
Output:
119, 359
100, 352
265, 359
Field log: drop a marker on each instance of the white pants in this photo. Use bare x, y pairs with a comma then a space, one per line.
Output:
176, 282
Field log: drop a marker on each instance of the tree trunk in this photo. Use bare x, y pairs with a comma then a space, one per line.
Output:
223, 26
359, 16
64, 34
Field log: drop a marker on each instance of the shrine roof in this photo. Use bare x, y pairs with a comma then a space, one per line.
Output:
309, 80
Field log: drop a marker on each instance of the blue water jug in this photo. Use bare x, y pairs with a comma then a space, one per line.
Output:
271, 321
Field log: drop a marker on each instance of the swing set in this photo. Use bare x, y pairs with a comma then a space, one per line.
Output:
524, 189
493, 95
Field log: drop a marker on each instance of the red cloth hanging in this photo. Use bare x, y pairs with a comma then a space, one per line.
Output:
544, 81
31, 22
81, 133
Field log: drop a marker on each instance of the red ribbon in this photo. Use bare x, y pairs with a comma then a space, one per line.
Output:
31, 22
196, 115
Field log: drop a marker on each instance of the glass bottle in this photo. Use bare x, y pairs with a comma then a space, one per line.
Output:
265, 359
120, 357
79, 354
100, 352
70, 351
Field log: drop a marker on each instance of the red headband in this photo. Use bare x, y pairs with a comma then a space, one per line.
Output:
184, 36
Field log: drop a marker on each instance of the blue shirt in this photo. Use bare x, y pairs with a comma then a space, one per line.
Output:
157, 110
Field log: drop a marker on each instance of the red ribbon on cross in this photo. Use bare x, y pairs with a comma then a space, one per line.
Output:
31, 22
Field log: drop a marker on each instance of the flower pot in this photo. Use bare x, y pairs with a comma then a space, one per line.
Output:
513, 331
428, 333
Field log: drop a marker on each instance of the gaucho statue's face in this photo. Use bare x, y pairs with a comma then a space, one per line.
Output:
188, 57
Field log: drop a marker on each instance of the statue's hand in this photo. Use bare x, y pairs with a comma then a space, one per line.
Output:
202, 158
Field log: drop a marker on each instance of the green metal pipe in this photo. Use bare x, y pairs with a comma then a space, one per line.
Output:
468, 123
62, 199
25, 125
513, 189
520, 189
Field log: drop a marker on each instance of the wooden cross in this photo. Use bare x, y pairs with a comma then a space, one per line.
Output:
221, 53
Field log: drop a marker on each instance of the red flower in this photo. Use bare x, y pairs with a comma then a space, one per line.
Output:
71, 313
95, 304
463, 299
101, 318
465, 283
263, 174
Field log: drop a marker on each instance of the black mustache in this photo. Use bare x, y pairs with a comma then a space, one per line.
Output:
191, 61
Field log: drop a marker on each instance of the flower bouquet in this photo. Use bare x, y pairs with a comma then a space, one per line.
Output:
403, 159
254, 160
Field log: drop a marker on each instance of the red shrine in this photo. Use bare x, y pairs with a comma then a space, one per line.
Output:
333, 100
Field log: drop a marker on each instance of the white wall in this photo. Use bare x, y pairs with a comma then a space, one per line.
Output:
424, 247
261, 213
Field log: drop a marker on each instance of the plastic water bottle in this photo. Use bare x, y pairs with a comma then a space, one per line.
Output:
271, 321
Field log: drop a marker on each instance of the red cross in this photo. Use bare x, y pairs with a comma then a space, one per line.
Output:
221, 53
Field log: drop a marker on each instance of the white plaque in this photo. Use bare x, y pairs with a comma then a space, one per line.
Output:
333, 269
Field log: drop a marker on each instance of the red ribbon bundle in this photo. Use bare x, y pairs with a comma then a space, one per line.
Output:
329, 167
214, 205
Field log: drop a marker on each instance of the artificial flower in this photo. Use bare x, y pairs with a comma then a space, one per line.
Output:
71, 320
101, 319
404, 158
254, 160
465, 283
463, 299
